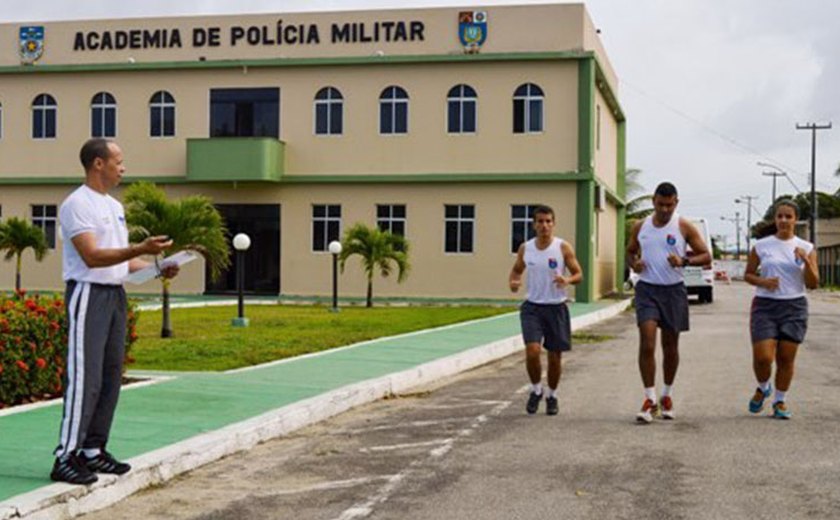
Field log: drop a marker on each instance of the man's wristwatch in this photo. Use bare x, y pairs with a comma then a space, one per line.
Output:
685, 262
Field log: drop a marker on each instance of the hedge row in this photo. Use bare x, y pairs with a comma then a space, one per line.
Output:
33, 347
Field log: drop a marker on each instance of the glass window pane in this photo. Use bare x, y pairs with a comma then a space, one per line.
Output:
466, 237
96, 122
110, 122
320, 119
49, 231
50, 210
332, 231
401, 124
398, 227
517, 236
383, 225
169, 121
467, 211
451, 237
518, 211
398, 211
451, 211
469, 116
318, 236
50, 126
37, 211
383, 211
336, 120
38, 123
154, 122
518, 116
334, 210
386, 111
536, 116
319, 210
454, 118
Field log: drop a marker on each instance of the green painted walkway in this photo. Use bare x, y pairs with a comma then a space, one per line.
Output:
155, 416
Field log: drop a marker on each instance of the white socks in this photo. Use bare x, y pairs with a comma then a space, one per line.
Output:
536, 388
91, 453
552, 393
765, 386
666, 390
780, 396
650, 393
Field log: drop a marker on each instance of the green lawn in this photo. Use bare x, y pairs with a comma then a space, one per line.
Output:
205, 340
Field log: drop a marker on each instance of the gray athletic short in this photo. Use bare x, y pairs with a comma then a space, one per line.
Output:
665, 304
546, 323
785, 320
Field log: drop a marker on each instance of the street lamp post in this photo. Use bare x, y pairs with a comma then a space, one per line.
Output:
335, 250
747, 199
737, 221
241, 242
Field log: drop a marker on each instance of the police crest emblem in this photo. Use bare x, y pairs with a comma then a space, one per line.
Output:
31, 44
472, 30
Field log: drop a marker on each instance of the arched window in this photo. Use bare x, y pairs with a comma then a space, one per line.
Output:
162, 114
393, 111
44, 113
329, 112
103, 115
528, 109
461, 109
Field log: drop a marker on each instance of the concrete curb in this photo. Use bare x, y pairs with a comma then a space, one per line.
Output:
61, 501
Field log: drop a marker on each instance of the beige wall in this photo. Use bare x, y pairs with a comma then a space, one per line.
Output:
427, 148
605, 257
605, 155
535, 28
482, 273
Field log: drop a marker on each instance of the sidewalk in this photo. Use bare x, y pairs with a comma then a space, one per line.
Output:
178, 424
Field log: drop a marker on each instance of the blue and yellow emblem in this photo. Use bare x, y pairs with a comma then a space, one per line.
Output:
472, 29
31, 44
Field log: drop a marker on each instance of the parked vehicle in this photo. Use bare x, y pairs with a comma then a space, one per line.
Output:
700, 280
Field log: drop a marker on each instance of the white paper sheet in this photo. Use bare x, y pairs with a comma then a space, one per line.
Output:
148, 273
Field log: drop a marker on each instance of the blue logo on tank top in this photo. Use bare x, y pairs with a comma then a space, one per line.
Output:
552, 263
671, 239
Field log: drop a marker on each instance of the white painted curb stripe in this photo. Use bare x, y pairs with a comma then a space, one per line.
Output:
63, 501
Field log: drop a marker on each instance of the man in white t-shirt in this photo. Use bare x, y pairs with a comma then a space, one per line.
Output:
96, 259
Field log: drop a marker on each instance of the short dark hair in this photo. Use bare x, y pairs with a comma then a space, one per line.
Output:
93, 149
665, 189
545, 210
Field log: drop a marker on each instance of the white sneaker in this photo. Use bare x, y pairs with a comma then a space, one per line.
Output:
647, 413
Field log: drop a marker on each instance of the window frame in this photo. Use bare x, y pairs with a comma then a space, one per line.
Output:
394, 101
44, 220
458, 220
326, 219
328, 102
527, 220
391, 218
527, 98
162, 106
107, 107
461, 99
44, 109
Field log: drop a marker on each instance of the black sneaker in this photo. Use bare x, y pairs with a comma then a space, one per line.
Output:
73, 471
551, 406
533, 403
105, 463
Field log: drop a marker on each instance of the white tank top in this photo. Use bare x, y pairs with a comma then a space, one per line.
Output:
779, 261
543, 265
657, 243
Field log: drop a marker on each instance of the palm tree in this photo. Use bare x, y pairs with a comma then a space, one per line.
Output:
637, 208
379, 251
16, 236
192, 223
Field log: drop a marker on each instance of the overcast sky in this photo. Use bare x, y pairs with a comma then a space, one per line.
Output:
709, 87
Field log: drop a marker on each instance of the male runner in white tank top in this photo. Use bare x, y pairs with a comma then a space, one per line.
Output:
544, 315
657, 251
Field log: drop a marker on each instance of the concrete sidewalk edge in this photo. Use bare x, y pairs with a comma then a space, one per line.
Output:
62, 501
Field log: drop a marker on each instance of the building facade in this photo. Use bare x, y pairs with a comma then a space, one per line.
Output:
442, 124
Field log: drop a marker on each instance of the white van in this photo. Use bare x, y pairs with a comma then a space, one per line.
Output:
700, 280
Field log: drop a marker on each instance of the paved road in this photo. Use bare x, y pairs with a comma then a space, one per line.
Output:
466, 449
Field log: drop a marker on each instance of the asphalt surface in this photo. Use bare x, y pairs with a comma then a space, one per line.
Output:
466, 448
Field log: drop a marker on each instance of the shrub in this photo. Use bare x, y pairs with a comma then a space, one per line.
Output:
33, 347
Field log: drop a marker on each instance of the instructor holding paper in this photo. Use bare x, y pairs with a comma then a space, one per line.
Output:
97, 258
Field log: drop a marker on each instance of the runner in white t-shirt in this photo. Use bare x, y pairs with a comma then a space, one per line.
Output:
781, 266
96, 259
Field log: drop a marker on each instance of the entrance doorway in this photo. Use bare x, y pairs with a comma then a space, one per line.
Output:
261, 222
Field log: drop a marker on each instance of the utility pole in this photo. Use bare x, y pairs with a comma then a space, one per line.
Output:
749, 199
812, 224
737, 221
774, 175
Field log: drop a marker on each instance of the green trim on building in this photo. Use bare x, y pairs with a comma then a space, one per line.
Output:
621, 170
612, 196
235, 159
300, 62
585, 240
586, 116
415, 178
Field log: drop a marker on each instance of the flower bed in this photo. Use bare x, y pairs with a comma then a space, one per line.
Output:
33, 347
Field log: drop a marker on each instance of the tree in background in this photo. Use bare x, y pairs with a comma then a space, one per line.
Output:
16, 236
639, 207
379, 250
192, 223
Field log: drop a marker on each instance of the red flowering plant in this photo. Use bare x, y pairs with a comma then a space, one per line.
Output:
33, 346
